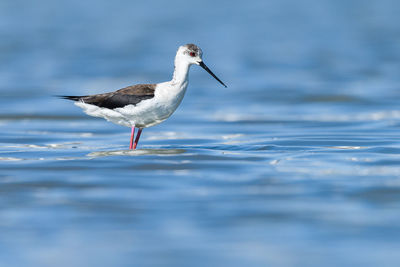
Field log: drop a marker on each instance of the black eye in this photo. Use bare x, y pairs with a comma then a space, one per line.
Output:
192, 54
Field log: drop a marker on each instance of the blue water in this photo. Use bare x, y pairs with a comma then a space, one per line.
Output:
296, 163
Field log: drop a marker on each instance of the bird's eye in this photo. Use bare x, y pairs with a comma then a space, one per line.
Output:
192, 54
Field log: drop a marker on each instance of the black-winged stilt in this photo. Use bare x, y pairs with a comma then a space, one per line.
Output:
145, 105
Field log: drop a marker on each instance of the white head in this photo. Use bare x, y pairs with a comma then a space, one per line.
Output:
192, 54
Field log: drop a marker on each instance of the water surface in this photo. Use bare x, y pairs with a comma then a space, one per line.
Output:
296, 163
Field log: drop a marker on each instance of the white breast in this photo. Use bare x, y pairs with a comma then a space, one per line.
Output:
150, 112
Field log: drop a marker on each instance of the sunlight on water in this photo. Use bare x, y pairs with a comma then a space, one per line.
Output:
137, 152
348, 147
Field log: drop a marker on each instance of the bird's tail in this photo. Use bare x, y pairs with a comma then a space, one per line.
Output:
70, 97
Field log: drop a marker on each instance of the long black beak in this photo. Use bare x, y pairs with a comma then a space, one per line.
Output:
201, 63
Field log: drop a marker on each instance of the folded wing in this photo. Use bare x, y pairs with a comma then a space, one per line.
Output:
131, 95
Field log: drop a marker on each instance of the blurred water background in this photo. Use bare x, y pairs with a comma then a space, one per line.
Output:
296, 163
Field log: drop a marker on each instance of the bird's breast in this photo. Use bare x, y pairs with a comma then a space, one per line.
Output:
169, 96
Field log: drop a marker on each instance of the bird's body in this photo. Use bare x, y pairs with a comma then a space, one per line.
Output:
145, 105
142, 112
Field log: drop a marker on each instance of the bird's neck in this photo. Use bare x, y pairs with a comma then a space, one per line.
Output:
181, 72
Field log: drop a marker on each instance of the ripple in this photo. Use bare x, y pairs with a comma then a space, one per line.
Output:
348, 147
268, 119
10, 159
136, 152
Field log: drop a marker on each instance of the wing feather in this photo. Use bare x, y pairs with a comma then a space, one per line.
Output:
131, 95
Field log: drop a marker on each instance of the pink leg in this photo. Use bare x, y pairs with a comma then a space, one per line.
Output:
132, 135
137, 138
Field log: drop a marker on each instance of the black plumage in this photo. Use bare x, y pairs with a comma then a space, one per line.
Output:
131, 95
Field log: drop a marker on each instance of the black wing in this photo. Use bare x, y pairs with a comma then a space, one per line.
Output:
117, 100
131, 95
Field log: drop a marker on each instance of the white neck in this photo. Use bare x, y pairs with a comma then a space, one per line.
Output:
181, 72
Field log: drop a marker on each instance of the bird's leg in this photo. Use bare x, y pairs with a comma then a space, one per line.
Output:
132, 135
137, 138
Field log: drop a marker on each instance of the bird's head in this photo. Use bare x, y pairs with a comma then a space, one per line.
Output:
192, 54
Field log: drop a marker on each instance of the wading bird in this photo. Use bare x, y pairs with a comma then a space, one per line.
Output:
144, 105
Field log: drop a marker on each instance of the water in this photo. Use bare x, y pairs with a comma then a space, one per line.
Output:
296, 163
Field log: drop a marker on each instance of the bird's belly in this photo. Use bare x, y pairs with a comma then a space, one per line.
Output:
150, 112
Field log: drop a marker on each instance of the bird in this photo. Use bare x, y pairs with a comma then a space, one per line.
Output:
145, 105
